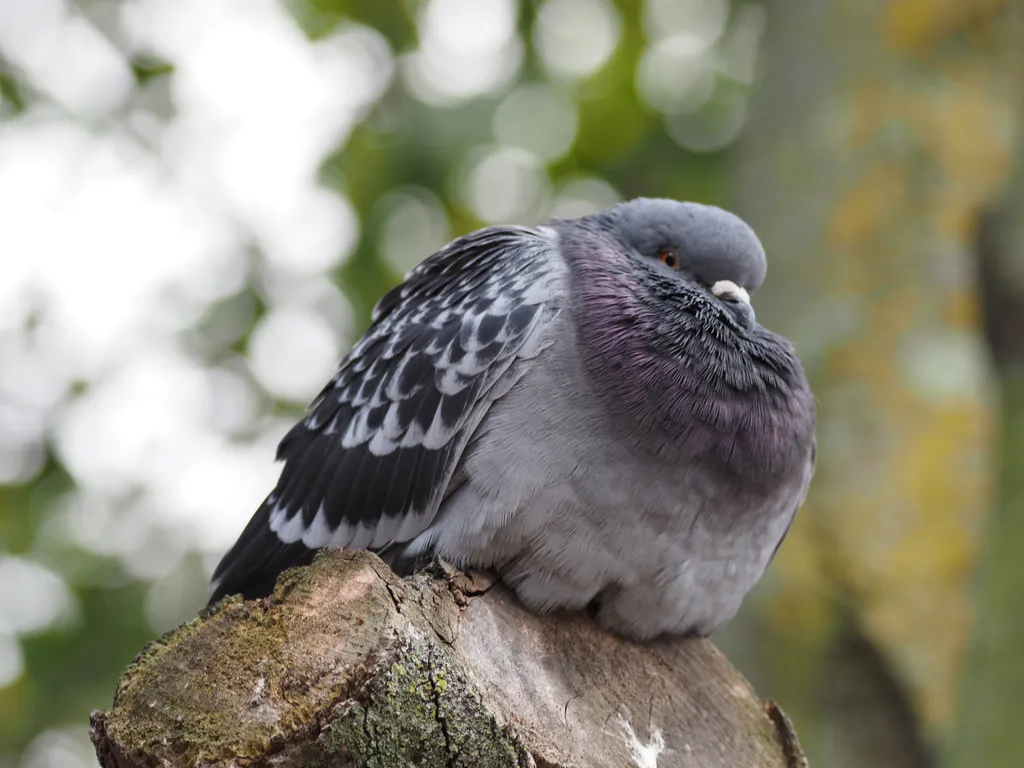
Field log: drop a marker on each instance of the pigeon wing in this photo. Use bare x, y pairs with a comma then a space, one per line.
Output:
370, 464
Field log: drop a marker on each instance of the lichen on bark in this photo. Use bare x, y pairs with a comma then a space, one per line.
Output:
419, 711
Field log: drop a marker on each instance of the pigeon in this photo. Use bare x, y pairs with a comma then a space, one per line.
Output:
587, 408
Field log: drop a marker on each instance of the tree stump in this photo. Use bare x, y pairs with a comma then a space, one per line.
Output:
346, 664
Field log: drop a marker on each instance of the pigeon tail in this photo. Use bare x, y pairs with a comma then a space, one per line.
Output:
252, 565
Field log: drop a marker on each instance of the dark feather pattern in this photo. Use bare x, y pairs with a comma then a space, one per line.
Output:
371, 461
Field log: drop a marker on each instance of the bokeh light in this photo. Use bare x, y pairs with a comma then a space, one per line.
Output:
575, 38
502, 184
537, 117
467, 48
415, 223
290, 352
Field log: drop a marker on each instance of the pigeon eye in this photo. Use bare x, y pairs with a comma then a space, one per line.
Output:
669, 258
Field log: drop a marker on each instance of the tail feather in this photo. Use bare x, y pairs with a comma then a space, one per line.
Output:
252, 565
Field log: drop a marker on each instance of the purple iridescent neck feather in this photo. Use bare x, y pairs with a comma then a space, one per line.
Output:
697, 385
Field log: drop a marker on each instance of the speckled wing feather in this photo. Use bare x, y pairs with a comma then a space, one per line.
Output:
371, 462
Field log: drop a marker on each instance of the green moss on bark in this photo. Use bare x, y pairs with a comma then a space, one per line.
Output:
228, 683
196, 672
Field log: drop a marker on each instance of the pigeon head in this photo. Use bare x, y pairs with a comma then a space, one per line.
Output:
661, 294
691, 250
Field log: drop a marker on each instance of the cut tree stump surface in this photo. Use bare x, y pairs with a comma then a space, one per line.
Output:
348, 665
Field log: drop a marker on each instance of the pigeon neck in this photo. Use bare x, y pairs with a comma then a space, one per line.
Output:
690, 387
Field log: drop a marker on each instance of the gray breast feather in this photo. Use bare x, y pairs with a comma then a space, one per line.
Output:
571, 511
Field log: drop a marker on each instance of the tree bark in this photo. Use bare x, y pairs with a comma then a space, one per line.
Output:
348, 665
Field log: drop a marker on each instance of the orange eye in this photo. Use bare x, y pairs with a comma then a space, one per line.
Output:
669, 258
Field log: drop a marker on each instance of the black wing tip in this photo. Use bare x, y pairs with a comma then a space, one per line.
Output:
251, 567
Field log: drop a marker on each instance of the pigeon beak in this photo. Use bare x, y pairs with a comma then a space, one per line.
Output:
728, 289
737, 301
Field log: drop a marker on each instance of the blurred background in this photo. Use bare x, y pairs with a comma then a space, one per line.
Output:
200, 201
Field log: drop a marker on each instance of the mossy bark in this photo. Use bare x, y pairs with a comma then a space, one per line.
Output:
348, 665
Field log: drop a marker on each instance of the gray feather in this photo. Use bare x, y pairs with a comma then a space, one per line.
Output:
601, 424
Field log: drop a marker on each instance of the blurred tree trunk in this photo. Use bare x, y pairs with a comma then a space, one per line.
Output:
879, 131
348, 665
988, 716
